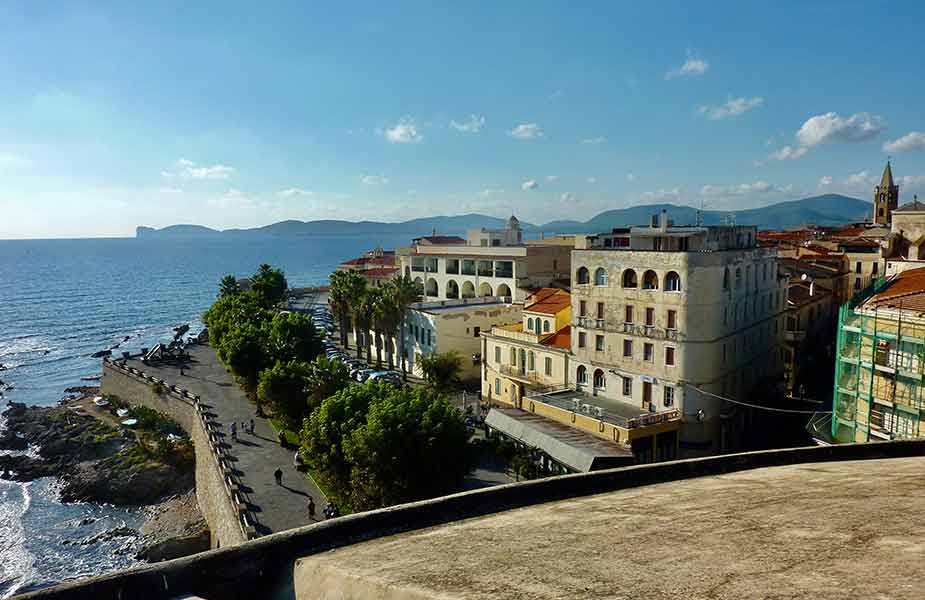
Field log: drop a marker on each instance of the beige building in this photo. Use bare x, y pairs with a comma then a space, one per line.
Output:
808, 338
487, 264
683, 313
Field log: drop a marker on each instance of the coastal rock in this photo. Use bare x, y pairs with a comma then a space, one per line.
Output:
175, 547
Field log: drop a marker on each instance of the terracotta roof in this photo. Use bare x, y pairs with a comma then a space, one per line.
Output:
365, 261
798, 293
906, 290
817, 248
560, 339
380, 272
859, 242
550, 304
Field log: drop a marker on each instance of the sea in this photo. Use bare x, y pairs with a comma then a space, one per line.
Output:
63, 300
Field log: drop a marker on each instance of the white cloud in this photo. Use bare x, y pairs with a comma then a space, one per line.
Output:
187, 169
529, 184
691, 66
487, 192
374, 180
170, 191
293, 192
732, 108
592, 180
13, 161
552, 178
831, 127
526, 131
914, 140
910, 183
567, 197
404, 132
473, 124
826, 180
742, 189
859, 179
594, 141
670, 194
788, 153
630, 177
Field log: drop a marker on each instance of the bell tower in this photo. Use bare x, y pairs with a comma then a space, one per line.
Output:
886, 197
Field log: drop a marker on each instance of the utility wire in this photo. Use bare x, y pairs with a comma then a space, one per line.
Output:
771, 408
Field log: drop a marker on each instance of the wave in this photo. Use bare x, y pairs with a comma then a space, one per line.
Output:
17, 564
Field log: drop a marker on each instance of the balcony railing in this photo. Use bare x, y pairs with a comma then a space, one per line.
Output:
592, 323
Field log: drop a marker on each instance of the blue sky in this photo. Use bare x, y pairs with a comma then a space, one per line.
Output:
114, 115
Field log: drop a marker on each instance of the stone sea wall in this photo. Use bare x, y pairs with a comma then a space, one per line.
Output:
217, 486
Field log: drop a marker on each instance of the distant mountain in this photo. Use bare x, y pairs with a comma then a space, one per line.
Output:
830, 209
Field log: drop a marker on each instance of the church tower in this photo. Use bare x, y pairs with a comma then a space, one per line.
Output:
886, 197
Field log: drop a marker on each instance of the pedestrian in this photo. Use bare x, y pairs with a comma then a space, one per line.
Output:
181, 372
252, 427
282, 438
234, 431
311, 508
278, 474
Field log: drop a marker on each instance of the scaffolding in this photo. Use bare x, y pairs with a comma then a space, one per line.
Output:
879, 391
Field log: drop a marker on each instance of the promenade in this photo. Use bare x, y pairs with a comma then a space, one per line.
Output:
257, 456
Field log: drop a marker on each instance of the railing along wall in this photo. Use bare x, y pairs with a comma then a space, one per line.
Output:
212, 429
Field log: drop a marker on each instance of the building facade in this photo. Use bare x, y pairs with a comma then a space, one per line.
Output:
886, 197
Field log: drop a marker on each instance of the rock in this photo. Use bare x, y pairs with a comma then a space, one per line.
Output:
87, 521
175, 547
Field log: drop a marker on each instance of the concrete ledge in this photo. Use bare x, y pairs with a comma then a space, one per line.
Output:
264, 567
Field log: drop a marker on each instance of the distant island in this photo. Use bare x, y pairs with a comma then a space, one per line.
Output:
828, 209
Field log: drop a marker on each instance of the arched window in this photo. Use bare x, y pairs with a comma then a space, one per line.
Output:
726, 278
600, 380
581, 375
452, 289
650, 280
432, 287
545, 326
600, 276
629, 279
485, 289
468, 290
672, 282
504, 291
581, 275
530, 324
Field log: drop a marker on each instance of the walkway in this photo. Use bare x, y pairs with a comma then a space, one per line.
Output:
276, 508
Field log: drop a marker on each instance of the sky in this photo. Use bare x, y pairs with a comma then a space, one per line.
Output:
227, 114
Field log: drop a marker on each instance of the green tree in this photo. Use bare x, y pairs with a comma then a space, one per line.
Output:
283, 388
270, 284
228, 286
229, 312
326, 377
390, 318
363, 312
243, 350
292, 336
441, 371
346, 288
403, 293
413, 445
358, 319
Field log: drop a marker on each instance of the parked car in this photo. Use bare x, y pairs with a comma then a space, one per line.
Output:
385, 376
363, 374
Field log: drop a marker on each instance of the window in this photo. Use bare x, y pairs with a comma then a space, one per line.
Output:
600, 276
627, 386
857, 268
530, 324
429, 342
547, 365
627, 348
531, 361
726, 279
581, 339
599, 343
582, 308
545, 326
582, 276
498, 354
673, 319
650, 316
738, 277
648, 352
629, 278
600, 380
669, 356
857, 283
497, 387
672, 282
628, 314
600, 310
649, 280
476, 331
874, 268
669, 396
513, 357
581, 375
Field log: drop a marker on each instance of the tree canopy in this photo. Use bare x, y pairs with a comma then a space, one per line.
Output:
292, 336
269, 283
441, 371
283, 388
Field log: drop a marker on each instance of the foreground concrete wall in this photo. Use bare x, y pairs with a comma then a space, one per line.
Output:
215, 487
264, 568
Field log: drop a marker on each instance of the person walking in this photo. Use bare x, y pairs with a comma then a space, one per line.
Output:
234, 431
311, 508
278, 474
252, 427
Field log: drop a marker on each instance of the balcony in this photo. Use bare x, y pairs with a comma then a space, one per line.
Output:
591, 323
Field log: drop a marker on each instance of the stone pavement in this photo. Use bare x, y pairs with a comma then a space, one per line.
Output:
257, 456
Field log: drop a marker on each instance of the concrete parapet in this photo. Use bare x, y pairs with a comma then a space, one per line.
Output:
263, 568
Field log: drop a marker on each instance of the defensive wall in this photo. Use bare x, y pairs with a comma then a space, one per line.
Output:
218, 490
264, 568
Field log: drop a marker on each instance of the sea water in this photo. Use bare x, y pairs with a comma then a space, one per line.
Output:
63, 300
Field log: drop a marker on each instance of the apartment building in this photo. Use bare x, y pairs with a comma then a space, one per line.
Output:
376, 266
808, 339
488, 263
681, 314
880, 362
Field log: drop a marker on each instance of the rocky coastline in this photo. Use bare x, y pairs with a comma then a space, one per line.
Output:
96, 461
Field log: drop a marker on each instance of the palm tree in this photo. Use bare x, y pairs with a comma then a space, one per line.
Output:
404, 293
378, 309
363, 312
228, 286
339, 298
325, 378
441, 371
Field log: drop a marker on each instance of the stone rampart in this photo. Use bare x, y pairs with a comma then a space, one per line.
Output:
217, 486
264, 568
